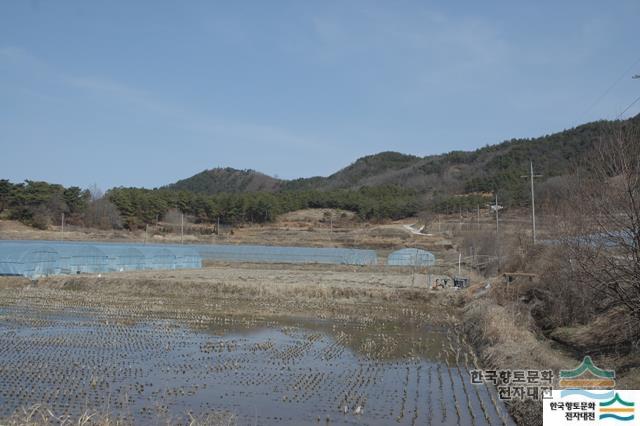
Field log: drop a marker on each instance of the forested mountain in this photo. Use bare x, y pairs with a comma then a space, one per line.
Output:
371, 170
226, 179
380, 186
493, 167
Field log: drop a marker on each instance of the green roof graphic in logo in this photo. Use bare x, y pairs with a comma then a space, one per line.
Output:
587, 365
625, 410
617, 399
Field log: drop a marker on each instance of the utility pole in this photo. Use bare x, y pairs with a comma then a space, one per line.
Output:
497, 231
496, 207
331, 226
533, 202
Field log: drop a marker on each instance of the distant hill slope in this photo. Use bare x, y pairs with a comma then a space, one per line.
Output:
227, 180
483, 170
371, 170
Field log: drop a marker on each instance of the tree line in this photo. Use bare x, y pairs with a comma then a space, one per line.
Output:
139, 206
41, 204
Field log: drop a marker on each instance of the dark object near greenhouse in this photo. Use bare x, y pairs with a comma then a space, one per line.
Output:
460, 282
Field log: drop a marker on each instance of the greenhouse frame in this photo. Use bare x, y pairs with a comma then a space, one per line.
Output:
36, 259
411, 257
283, 254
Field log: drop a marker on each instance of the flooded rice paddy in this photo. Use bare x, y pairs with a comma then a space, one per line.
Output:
259, 370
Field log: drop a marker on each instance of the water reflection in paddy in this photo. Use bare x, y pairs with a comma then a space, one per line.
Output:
264, 371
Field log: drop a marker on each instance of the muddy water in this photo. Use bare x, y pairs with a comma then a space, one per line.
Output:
266, 372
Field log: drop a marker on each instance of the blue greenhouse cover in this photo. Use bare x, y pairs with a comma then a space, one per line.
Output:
411, 257
34, 259
283, 254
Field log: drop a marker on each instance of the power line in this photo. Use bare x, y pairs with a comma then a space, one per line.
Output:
627, 108
610, 88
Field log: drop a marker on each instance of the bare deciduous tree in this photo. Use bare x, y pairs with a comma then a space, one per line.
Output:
605, 242
101, 213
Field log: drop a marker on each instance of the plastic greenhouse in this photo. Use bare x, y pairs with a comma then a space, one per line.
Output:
35, 259
411, 257
281, 254
160, 258
124, 258
31, 261
187, 257
76, 258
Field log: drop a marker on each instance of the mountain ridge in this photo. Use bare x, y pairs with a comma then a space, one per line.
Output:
227, 179
484, 169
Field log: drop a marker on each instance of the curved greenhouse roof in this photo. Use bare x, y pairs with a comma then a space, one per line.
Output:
35, 259
411, 257
28, 260
39, 258
124, 258
160, 258
283, 254
80, 258
187, 257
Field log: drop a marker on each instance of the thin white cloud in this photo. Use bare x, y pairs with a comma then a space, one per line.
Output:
214, 128
428, 33
18, 57
14, 54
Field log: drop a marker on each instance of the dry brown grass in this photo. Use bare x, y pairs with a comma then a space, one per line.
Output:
614, 328
309, 216
300, 228
198, 295
503, 338
40, 415
288, 282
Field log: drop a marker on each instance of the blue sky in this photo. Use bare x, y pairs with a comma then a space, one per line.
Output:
144, 93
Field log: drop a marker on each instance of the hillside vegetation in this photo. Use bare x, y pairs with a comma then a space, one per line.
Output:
140, 206
485, 170
381, 186
40, 203
493, 167
220, 180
